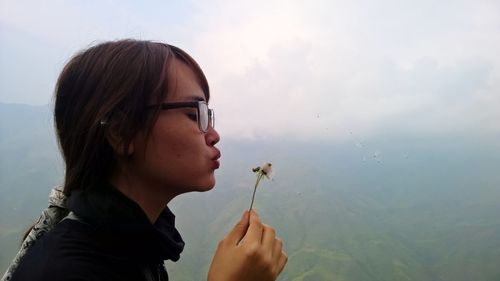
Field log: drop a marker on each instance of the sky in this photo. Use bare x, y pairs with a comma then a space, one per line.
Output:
288, 69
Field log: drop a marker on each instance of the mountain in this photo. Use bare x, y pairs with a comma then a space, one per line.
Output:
391, 208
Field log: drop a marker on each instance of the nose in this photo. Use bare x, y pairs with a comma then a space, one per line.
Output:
212, 136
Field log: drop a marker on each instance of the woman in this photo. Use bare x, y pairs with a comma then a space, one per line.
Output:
135, 131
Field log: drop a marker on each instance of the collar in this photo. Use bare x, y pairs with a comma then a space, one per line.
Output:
123, 227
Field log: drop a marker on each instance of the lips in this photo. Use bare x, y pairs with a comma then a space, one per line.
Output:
215, 159
216, 154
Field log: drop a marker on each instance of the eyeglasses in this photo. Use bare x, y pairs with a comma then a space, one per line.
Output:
204, 115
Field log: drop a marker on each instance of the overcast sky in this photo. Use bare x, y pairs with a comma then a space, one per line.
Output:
302, 69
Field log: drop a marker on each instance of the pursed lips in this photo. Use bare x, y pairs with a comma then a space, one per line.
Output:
215, 159
217, 154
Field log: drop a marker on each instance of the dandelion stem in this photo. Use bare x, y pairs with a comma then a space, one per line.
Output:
259, 177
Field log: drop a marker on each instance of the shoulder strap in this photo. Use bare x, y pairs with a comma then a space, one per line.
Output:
51, 216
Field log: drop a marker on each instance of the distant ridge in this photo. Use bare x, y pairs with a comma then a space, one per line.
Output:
428, 211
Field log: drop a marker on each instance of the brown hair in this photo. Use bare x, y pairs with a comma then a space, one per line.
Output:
103, 90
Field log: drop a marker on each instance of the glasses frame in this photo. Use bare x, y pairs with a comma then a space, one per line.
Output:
192, 104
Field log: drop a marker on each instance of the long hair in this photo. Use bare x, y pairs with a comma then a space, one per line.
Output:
104, 90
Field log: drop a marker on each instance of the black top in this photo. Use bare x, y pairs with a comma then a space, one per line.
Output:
113, 240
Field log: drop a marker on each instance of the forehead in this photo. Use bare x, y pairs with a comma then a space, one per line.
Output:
183, 84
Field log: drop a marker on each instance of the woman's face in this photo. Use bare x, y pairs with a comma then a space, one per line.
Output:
177, 156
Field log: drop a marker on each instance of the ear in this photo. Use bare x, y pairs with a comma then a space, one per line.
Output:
116, 142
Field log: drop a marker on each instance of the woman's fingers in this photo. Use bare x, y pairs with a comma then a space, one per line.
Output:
268, 237
255, 229
278, 256
239, 230
278, 247
281, 263
273, 249
249, 252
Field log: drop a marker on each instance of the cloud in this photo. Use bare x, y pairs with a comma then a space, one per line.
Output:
355, 66
287, 97
291, 69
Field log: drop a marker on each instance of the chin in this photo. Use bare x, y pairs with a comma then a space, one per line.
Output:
203, 188
206, 185
209, 186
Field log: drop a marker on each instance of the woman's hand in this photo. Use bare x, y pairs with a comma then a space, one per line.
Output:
249, 252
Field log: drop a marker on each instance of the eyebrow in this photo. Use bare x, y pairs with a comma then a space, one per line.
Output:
196, 98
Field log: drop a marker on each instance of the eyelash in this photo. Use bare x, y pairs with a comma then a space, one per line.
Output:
192, 116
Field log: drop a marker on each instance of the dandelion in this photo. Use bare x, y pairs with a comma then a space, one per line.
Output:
265, 170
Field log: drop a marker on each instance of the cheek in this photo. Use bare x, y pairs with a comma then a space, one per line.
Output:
176, 156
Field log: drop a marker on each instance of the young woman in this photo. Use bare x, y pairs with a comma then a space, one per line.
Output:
135, 130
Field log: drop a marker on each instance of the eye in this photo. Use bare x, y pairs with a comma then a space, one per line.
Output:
192, 116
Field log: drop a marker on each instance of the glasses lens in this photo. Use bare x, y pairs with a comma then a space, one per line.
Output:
211, 117
203, 118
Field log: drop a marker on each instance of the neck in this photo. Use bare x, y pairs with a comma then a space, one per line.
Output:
153, 200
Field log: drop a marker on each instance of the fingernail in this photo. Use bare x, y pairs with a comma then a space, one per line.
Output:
245, 214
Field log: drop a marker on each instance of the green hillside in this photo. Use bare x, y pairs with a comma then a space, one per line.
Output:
424, 209
432, 216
